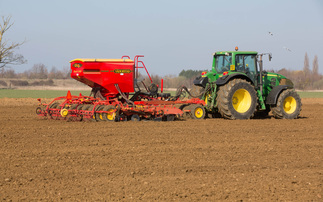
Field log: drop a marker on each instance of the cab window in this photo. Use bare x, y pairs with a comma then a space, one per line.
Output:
222, 63
246, 63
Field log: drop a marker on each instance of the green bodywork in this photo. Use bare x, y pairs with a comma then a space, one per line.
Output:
240, 64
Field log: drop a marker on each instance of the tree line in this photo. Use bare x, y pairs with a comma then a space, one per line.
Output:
38, 71
305, 79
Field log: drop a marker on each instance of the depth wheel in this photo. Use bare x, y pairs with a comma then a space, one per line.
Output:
79, 116
288, 105
184, 107
98, 116
197, 111
90, 108
237, 100
38, 110
111, 115
135, 117
169, 117
53, 105
51, 112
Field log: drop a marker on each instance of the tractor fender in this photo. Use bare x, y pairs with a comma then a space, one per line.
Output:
224, 79
201, 81
274, 93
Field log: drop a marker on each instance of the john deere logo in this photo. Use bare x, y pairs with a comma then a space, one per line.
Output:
77, 65
118, 71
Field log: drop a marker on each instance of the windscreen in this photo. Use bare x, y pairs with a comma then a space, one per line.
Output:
222, 63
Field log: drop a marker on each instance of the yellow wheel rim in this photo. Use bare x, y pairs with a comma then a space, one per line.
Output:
64, 112
290, 105
111, 115
241, 100
198, 112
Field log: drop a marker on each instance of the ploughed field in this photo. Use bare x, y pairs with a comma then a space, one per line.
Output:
212, 159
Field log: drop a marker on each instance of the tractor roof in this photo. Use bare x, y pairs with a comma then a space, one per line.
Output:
236, 52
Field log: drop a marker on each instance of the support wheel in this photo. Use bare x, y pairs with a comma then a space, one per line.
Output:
51, 110
288, 105
80, 116
197, 111
54, 105
99, 116
237, 100
38, 110
111, 115
169, 117
135, 117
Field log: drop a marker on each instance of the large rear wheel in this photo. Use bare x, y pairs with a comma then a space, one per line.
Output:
288, 105
237, 100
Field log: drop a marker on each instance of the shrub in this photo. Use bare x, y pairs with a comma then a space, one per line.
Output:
19, 82
3, 83
49, 82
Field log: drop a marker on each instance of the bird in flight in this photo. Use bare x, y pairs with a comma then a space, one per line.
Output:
270, 33
287, 49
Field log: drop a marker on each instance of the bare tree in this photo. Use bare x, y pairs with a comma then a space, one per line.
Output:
38, 71
306, 67
7, 55
306, 80
315, 70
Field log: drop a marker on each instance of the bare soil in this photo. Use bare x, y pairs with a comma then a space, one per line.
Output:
212, 159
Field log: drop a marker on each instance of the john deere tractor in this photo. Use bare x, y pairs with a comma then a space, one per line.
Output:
237, 87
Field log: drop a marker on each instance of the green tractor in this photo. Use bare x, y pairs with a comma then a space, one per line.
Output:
237, 87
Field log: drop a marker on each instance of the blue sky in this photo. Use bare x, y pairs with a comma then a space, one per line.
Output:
173, 35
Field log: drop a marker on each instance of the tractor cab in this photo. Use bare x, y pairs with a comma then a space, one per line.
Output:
232, 62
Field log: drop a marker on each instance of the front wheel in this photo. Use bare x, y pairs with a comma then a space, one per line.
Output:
288, 105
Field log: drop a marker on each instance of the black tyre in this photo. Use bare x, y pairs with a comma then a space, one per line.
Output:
169, 117
237, 100
90, 108
197, 92
38, 110
98, 116
86, 107
52, 112
184, 107
79, 107
288, 105
135, 117
54, 105
197, 111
